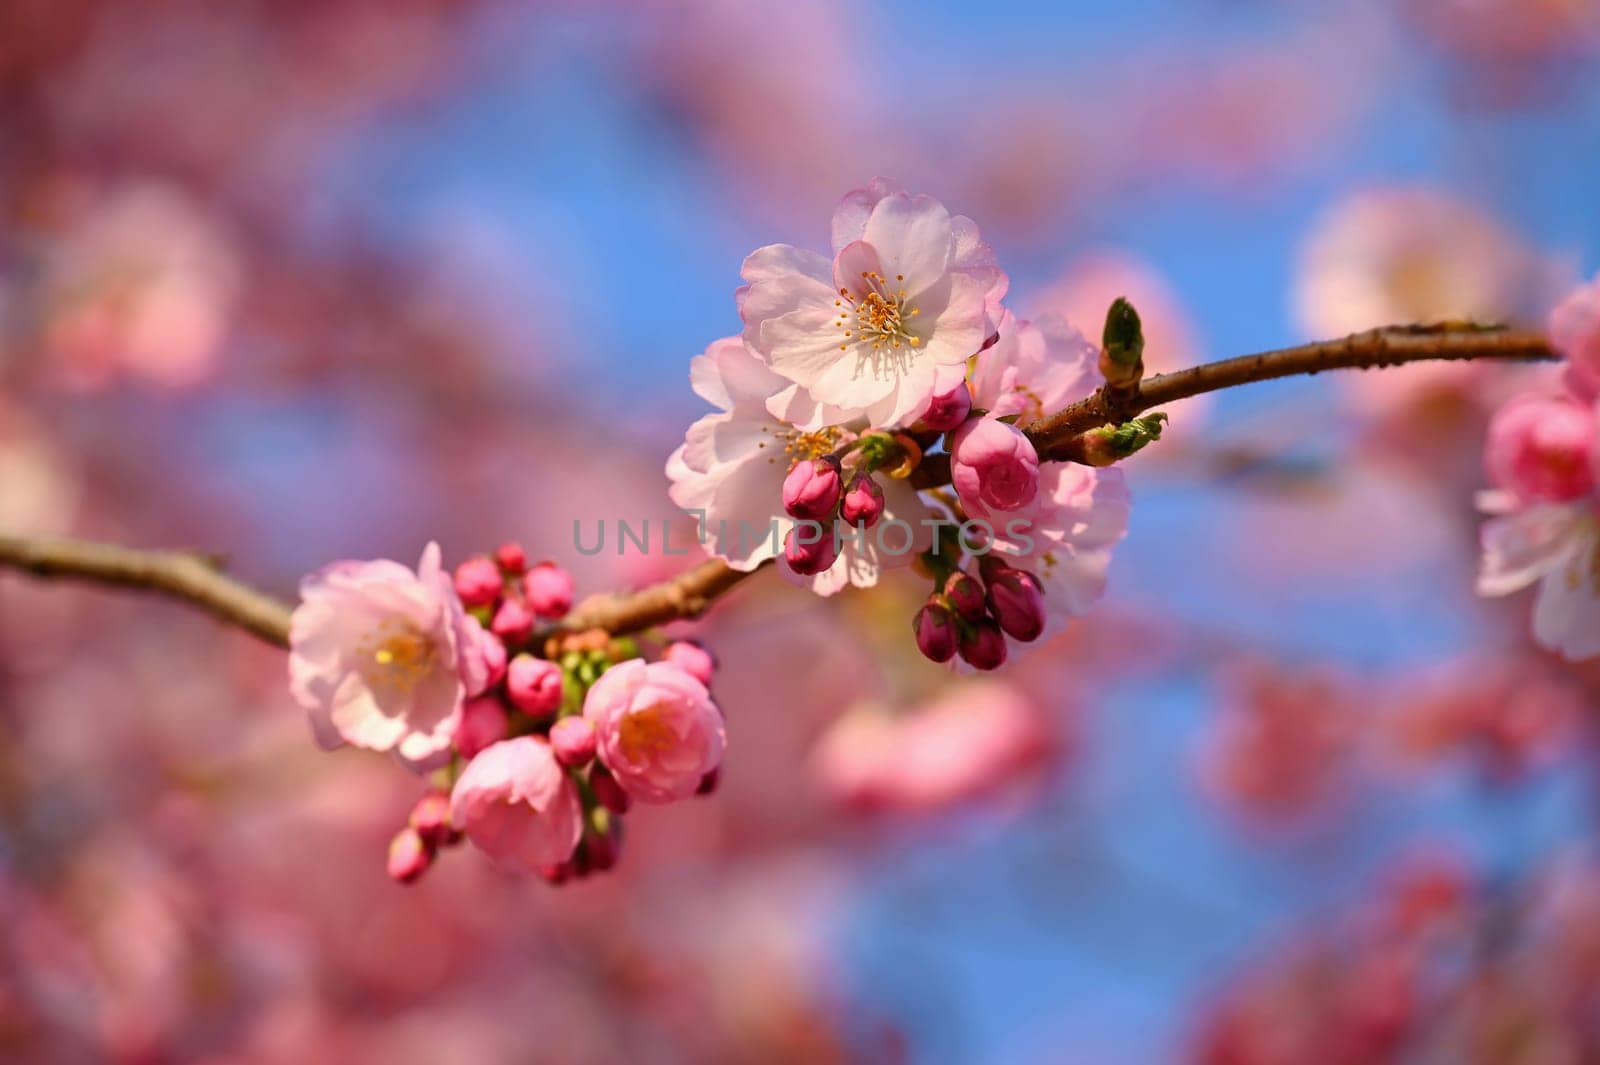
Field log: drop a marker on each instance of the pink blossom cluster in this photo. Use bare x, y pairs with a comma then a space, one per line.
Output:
534, 745
1542, 458
849, 371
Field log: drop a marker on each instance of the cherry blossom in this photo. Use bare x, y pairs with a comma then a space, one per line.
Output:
382, 657
910, 294
659, 732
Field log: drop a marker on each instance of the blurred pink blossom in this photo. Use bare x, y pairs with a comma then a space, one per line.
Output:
144, 283
977, 739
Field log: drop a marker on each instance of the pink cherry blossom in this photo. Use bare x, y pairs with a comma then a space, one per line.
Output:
1538, 449
1035, 368
659, 730
732, 465
515, 803
382, 657
1575, 333
910, 294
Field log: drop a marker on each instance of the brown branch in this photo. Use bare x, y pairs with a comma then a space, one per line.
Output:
190, 577
687, 595
1053, 437
195, 579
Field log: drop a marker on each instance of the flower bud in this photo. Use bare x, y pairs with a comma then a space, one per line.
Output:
863, 502
549, 590
1017, 603
511, 558
947, 411
409, 856
692, 659
573, 740
602, 849
608, 792
483, 722
993, 467
430, 818
494, 659
985, 646
810, 549
478, 581
557, 875
936, 633
512, 622
811, 491
534, 685
1122, 346
1538, 449
965, 596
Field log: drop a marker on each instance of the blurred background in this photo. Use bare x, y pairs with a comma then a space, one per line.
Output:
316, 279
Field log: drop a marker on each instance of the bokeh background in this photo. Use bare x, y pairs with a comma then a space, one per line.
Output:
310, 279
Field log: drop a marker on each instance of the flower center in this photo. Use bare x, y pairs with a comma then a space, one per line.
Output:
645, 732
878, 317
799, 446
396, 654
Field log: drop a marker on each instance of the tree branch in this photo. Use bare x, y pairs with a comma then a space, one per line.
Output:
196, 579
190, 577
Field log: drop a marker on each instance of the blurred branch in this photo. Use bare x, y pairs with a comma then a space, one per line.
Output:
197, 579
188, 576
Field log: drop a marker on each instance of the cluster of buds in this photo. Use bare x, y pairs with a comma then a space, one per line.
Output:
568, 734
973, 617
509, 597
817, 492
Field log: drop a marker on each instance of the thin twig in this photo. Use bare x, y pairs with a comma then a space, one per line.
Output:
195, 579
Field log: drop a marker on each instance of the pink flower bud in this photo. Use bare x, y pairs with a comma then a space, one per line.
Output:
430, 817
947, 411
409, 856
936, 633
608, 792
600, 852
812, 488
549, 590
810, 549
863, 502
478, 581
493, 651
965, 596
511, 558
534, 685
557, 874
709, 782
985, 647
513, 623
692, 659
483, 721
1017, 603
573, 740
993, 467
1538, 449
